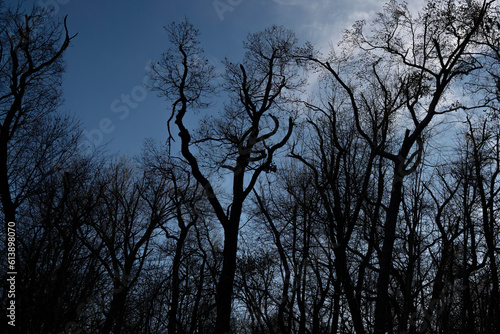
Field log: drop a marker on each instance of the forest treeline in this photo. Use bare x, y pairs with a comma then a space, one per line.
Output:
351, 190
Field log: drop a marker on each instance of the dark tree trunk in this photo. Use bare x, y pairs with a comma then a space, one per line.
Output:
173, 323
195, 320
489, 230
114, 319
343, 276
382, 310
226, 280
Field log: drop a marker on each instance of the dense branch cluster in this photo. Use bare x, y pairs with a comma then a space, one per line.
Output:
369, 205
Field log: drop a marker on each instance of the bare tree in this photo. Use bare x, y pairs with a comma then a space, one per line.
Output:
482, 150
291, 208
242, 141
186, 197
32, 139
415, 60
130, 211
59, 271
31, 66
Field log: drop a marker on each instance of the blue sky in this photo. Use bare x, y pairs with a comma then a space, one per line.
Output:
106, 63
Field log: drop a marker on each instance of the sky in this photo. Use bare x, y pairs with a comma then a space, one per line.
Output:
106, 63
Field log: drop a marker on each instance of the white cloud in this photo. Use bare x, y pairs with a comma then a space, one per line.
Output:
323, 22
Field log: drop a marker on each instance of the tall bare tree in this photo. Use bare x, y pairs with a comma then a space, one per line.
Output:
244, 139
415, 60
31, 51
32, 45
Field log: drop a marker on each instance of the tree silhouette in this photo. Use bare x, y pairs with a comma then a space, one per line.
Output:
33, 139
242, 136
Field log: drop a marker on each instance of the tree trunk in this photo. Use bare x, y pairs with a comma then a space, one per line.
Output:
343, 276
226, 279
115, 317
173, 324
382, 309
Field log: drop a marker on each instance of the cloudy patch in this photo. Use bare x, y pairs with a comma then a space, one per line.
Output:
324, 22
